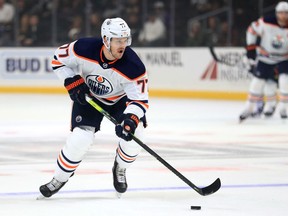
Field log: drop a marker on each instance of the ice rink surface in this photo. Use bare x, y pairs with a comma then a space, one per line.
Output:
202, 139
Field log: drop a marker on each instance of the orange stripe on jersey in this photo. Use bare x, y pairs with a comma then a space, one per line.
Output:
251, 47
114, 69
252, 31
55, 62
115, 97
123, 75
65, 164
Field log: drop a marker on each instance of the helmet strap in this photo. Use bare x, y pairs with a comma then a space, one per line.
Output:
108, 47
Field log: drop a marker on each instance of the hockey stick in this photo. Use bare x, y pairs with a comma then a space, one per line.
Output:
202, 191
237, 63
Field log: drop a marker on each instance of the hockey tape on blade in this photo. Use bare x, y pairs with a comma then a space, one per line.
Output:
195, 207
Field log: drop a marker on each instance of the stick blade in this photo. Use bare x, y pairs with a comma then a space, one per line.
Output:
215, 186
40, 197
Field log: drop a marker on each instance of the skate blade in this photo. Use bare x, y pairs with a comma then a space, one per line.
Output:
241, 120
40, 197
118, 195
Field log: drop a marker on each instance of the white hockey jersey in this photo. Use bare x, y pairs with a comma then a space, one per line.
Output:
273, 46
108, 81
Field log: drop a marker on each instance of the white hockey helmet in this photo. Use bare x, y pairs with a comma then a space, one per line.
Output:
115, 28
281, 7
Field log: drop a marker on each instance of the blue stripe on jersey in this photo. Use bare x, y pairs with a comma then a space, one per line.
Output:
142, 101
56, 67
107, 101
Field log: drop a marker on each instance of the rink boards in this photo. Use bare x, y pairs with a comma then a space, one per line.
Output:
173, 72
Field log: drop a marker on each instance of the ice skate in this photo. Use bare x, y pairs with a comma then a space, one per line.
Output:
119, 179
269, 111
283, 113
246, 114
258, 109
49, 189
249, 109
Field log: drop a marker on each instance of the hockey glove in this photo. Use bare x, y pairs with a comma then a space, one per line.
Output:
251, 52
129, 123
251, 55
77, 89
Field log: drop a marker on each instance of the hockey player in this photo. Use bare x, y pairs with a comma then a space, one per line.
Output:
270, 55
114, 76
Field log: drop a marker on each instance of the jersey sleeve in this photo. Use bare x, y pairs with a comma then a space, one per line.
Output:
254, 30
65, 64
137, 93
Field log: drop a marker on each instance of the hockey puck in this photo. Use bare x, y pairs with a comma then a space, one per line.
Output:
195, 207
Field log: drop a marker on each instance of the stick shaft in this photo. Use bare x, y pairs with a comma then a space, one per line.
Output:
150, 151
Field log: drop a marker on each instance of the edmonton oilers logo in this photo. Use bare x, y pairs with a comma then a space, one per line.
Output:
277, 42
99, 85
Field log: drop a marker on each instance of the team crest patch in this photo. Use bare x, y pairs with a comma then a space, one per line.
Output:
278, 42
99, 85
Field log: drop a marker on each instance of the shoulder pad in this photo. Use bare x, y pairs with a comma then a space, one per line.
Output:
130, 65
88, 47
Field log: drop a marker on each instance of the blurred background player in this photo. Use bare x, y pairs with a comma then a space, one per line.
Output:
7, 12
272, 54
113, 74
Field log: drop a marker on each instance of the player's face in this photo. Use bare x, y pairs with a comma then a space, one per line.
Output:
282, 18
117, 47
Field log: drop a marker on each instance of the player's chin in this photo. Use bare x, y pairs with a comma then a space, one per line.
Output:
119, 54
